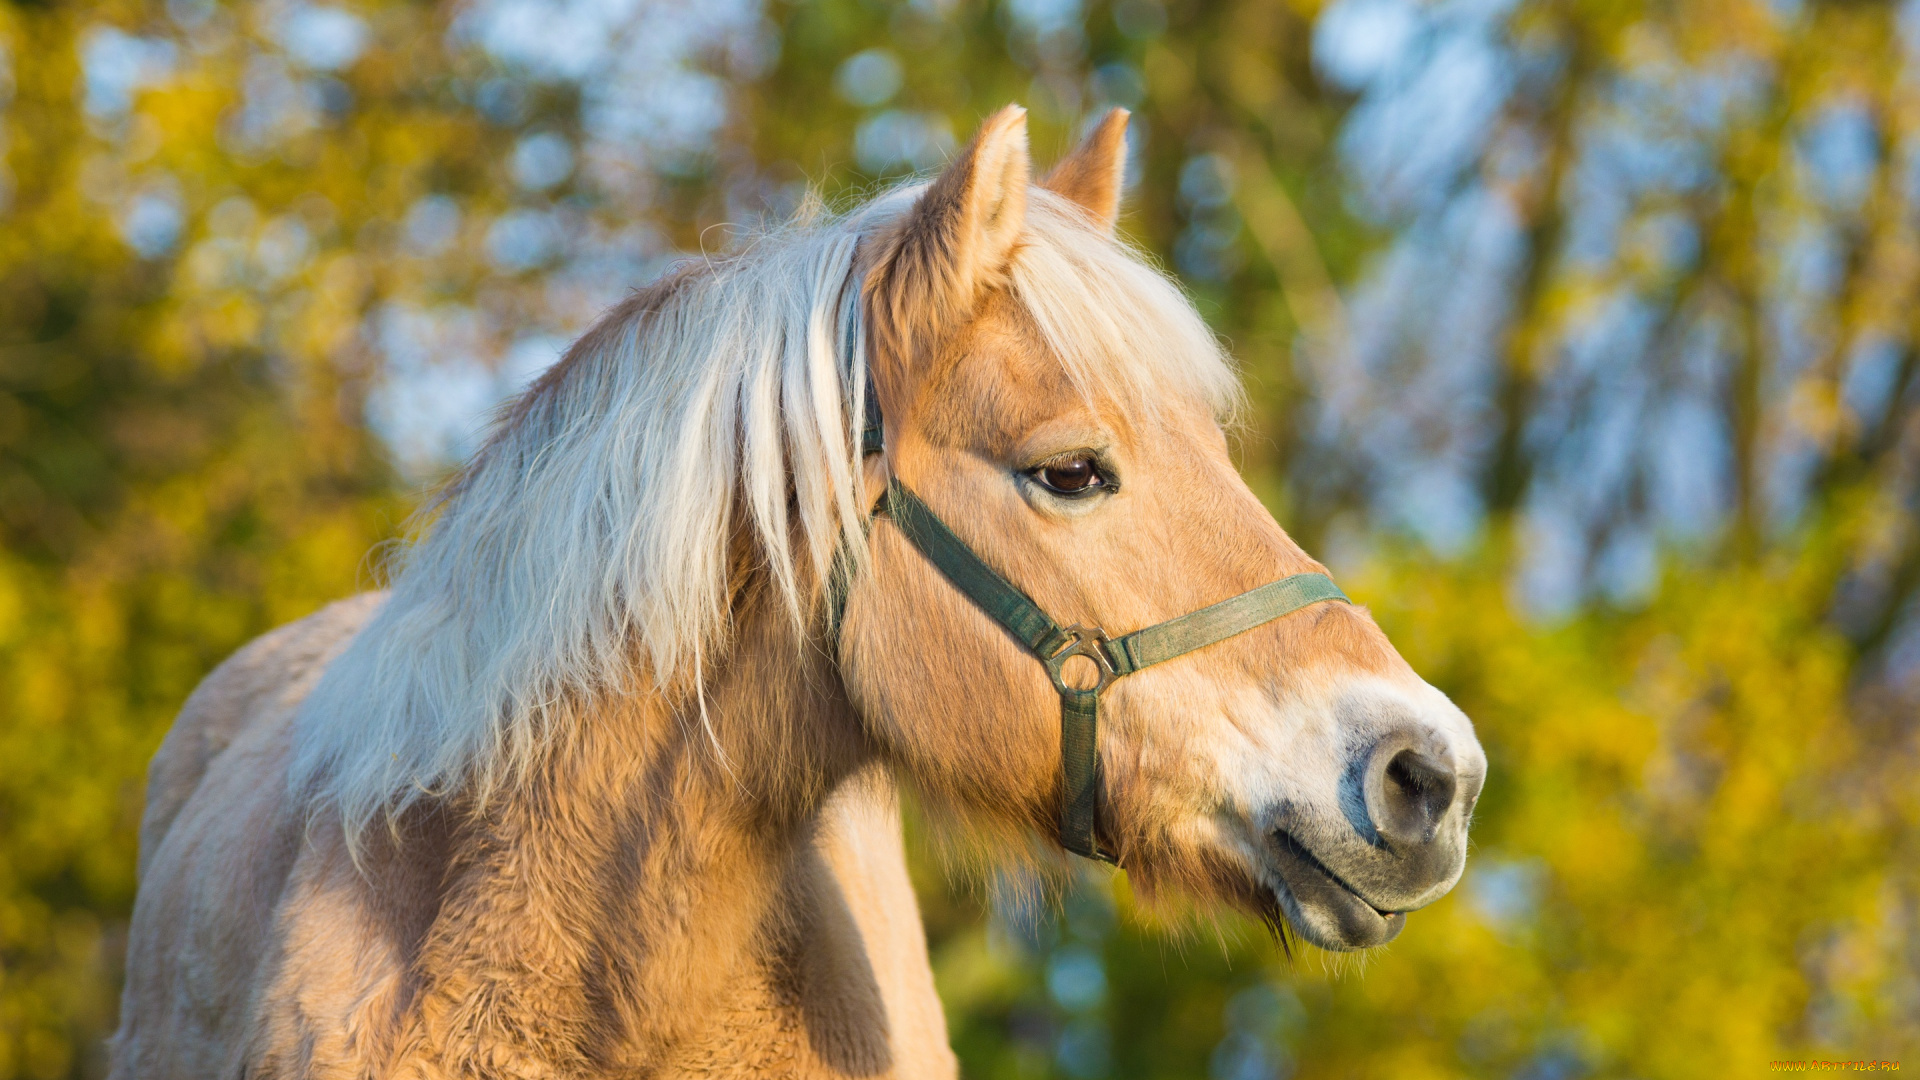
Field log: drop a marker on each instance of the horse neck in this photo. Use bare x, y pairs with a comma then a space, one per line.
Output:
637, 870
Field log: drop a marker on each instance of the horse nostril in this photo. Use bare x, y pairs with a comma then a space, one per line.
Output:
1414, 792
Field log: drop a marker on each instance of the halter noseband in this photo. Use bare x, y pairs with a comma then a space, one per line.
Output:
1053, 645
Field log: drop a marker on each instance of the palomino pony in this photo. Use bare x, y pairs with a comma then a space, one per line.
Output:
602, 787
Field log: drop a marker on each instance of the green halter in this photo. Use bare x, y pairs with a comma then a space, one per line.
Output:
1054, 645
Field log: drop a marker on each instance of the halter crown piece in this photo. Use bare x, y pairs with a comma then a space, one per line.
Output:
1052, 644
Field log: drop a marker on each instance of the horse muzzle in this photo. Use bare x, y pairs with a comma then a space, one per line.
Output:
1398, 842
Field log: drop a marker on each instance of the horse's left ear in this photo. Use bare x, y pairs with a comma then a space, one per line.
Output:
957, 241
1093, 174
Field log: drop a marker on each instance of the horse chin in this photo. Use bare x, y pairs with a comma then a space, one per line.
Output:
1321, 908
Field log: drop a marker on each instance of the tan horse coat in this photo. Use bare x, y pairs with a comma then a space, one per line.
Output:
837, 984
594, 793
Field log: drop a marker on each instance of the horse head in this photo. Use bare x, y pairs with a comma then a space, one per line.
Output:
1057, 407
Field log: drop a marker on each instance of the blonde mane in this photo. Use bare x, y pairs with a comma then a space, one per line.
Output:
585, 549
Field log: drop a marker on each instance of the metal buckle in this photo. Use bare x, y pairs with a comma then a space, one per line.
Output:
1090, 642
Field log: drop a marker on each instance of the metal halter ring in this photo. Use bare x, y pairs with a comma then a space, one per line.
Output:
1089, 642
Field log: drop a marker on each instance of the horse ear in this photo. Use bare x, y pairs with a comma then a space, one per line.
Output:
958, 239
1093, 174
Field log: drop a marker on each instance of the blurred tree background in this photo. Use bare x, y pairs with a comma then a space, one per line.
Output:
1581, 338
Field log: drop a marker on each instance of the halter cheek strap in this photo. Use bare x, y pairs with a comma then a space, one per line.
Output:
1113, 658
1054, 645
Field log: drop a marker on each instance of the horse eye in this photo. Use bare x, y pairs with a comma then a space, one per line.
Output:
1070, 477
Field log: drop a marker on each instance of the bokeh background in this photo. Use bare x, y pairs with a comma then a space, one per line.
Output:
1581, 339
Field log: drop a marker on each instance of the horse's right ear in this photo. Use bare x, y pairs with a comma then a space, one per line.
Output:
1093, 175
956, 241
